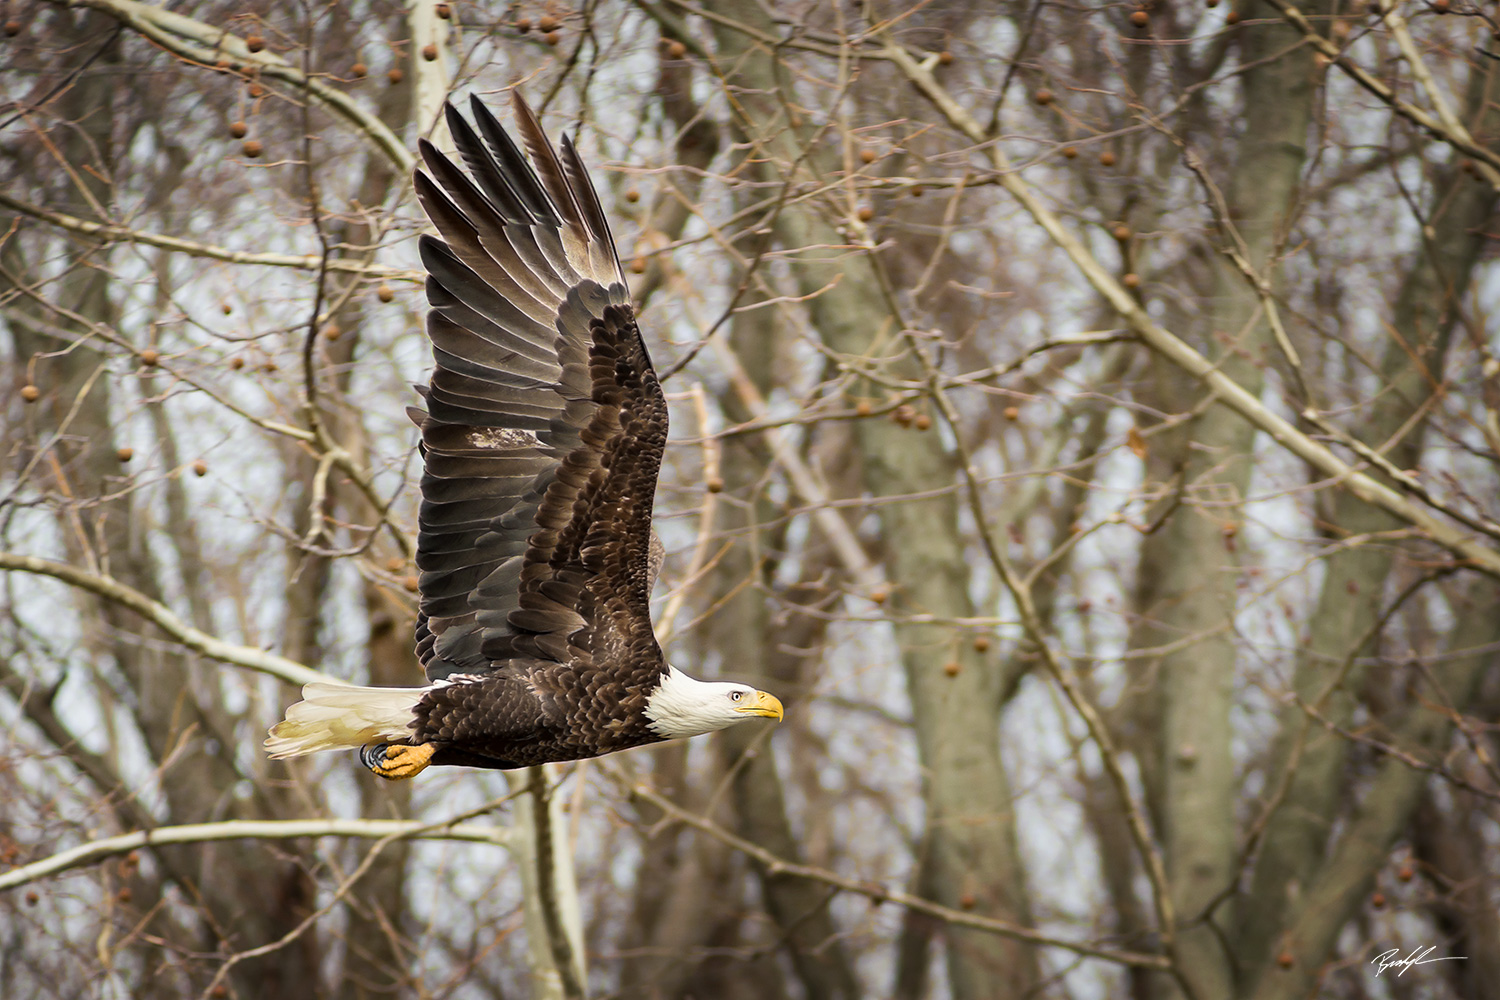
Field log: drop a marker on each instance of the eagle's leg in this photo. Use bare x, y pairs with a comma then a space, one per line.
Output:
398, 761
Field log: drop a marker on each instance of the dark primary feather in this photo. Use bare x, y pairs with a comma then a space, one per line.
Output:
542, 440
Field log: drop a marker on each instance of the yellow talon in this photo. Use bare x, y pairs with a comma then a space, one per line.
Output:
399, 762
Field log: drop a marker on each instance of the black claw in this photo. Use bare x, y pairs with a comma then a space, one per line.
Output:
373, 756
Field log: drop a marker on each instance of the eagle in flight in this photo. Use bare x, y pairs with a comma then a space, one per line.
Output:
541, 443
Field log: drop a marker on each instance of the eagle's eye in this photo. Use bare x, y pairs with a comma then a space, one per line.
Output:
736, 695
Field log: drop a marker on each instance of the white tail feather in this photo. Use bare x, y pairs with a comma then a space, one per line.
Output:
341, 717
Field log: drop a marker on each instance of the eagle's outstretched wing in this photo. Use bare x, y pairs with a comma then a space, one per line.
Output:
545, 424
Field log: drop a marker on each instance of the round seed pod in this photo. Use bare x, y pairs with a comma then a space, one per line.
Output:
239, 129
30, 393
385, 293
254, 43
252, 148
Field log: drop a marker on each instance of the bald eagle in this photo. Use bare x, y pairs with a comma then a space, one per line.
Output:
541, 443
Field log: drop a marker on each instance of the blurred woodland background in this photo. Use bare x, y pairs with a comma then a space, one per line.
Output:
1085, 419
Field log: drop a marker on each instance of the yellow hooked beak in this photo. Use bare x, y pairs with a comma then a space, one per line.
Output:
764, 704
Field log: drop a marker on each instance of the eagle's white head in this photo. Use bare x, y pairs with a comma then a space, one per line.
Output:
682, 706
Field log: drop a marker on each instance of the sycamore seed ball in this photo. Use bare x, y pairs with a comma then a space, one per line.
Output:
385, 293
238, 129
255, 43
30, 393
